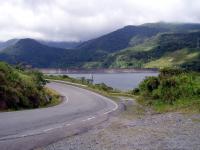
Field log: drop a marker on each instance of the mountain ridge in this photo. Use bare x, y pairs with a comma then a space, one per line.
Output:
130, 46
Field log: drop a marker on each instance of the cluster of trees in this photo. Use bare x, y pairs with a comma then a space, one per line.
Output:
21, 89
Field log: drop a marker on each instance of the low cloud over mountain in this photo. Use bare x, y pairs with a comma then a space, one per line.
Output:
80, 20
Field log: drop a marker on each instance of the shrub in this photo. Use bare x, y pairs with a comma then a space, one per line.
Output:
168, 72
103, 86
136, 91
148, 85
171, 85
20, 89
65, 76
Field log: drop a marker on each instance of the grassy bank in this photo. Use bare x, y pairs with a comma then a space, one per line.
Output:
54, 96
172, 90
23, 89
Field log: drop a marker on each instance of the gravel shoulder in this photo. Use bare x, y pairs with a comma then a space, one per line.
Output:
135, 128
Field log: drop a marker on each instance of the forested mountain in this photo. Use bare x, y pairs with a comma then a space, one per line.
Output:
64, 45
29, 51
148, 45
174, 27
8, 43
163, 50
122, 38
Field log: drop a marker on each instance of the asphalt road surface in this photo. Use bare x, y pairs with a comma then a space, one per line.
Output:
30, 129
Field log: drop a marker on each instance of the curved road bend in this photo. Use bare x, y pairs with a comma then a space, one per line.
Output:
32, 128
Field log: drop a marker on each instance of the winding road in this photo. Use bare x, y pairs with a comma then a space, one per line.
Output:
30, 129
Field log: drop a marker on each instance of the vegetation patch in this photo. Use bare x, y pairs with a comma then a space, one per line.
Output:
172, 90
22, 89
53, 96
174, 59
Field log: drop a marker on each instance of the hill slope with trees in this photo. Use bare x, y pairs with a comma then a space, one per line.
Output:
153, 45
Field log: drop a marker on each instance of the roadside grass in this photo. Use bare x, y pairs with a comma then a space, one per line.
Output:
55, 98
191, 105
185, 105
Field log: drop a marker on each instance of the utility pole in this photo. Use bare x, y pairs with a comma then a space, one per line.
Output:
91, 79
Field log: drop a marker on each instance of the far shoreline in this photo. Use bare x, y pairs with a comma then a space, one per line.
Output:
96, 71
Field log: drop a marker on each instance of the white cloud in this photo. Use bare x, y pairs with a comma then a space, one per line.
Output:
85, 19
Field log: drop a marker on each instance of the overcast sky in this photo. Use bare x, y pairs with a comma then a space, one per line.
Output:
69, 20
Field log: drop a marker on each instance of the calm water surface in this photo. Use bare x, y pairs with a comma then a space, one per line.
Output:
121, 81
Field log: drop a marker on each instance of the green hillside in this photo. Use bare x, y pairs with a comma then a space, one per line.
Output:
148, 45
122, 38
162, 50
175, 58
30, 52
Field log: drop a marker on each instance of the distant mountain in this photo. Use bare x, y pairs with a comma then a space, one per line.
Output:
133, 35
148, 45
122, 38
174, 27
163, 50
64, 45
29, 51
8, 43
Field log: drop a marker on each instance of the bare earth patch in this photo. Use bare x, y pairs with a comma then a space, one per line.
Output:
134, 129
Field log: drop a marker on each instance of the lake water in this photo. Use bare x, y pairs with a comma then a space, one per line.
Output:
121, 81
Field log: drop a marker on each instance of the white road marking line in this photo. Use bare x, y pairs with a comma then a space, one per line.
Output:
67, 99
84, 120
109, 111
57, 127
48, 129
105, 113
90, 118
105, 98
69, 124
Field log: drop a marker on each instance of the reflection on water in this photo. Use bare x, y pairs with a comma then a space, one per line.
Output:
122, 81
